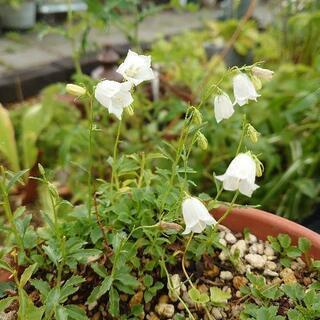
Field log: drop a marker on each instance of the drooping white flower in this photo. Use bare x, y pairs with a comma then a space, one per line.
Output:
196, 216
114, 96
264, 74
243, 89
223, 107
240, 175
136, 68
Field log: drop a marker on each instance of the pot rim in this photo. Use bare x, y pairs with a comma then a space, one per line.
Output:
263, 224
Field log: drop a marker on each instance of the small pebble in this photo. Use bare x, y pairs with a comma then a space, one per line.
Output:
165, 310
230, 238
255, 260
216, 313
271, 265
270, 273
240, 246
287, 275
226, 275
252, 238
268, 251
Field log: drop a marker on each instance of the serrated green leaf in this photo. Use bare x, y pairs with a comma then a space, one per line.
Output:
27, 275
41, 285
198, 297
75, 312
6, 266
6, 302
304, 244
114, 302
218, 296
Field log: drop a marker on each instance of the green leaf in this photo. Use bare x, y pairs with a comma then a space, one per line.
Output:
27, 275
285, 240
293, 252
70, 288
294, 291
6, 302
198, 297
34, 121
15, 178
148, 280
100, 270
52, 300
8, 146
304, 244
114, 302
41, 285
75, 312
127, 279
294, 314
6, 266
52, 254
61, 313
100, 290
218, 296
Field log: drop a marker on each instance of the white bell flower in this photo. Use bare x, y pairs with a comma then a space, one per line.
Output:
136, 68
264, 74
196, 216
223, 107
243, 89
114, 96
240, 175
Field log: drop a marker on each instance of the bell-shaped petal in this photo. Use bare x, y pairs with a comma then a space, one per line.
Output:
136, 68
114, 96
196, 216
240, 175
223, 107
243, 89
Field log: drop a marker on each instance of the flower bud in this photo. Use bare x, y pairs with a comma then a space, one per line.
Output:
129, 111
252, 133
259, 166
169, 226
202, 141
256, 82
75, 90
197, 116
264, 74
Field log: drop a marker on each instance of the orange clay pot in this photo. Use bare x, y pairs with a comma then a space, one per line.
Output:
264, 224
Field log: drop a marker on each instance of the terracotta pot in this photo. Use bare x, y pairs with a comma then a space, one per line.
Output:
263, 224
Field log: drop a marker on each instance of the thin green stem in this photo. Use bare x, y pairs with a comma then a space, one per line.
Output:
172, 288
184, 258
90, 148
228, 211
8, 212
114, 175
244, 126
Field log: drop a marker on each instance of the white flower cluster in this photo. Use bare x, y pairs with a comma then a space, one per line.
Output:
243, 91
116, 96
242, 171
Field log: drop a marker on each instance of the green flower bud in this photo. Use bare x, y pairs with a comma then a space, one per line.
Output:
129, 111
75, 90
197, 116
202, 141
252, 133
256, 82
259, 166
